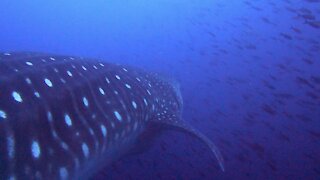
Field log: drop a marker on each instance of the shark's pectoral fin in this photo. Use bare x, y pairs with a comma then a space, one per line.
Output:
185, 128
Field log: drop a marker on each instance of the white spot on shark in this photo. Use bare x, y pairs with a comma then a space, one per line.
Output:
37, 94
134, 104
35, 149
103, 130
85, 150
12, 177
49, 116
85, 101
16, 96
38, 175
62, 80
118, 77
11, 146
54, 134
28, 80
29, 63
108, 81
64, 146
91, 131
3, 115
63, 172
128, 86
135, 126
101, 91
113, 125
69, 73
48, 82
68, 120
118, 116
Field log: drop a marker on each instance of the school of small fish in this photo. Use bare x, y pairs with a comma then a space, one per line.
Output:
258, 87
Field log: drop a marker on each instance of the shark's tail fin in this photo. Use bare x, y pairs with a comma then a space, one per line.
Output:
181, 126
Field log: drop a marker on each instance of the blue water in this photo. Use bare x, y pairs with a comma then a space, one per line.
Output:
249, 73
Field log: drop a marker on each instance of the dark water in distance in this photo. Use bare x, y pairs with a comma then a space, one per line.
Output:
249, 73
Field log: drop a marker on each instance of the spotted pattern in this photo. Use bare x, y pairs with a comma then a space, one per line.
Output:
85, 105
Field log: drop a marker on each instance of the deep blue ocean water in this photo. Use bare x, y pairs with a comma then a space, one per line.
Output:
249, 72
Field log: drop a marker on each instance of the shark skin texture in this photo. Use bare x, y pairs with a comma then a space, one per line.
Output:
66, 117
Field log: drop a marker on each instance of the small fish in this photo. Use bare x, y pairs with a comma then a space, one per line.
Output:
64, 117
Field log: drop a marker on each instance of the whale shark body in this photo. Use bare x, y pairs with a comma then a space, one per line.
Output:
64, 117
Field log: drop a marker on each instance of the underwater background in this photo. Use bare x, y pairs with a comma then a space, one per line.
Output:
249, 72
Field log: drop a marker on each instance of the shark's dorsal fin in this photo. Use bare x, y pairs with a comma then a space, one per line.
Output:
184, 127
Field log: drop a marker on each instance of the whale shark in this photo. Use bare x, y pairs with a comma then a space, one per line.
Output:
66, 117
